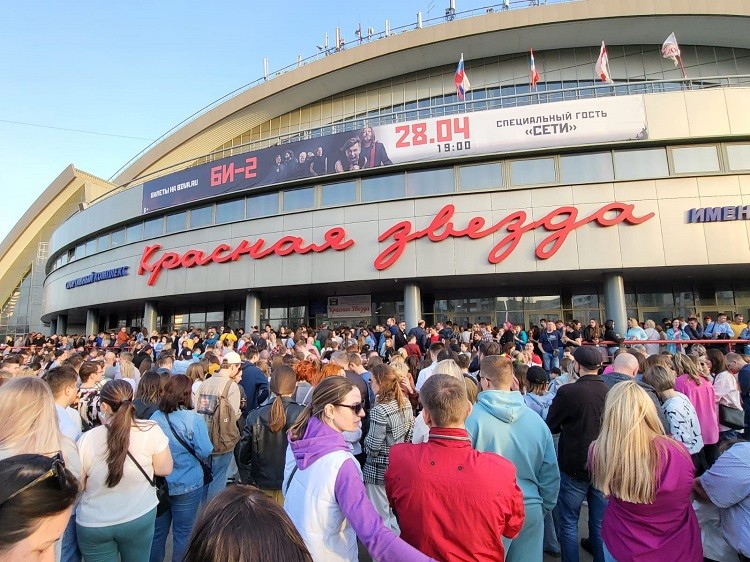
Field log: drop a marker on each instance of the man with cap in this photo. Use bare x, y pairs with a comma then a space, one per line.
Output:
206, 402
502, 423
576, 414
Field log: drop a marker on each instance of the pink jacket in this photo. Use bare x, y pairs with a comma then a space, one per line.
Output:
704, 400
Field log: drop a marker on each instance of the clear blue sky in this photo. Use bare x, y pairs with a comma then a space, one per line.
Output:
135, 69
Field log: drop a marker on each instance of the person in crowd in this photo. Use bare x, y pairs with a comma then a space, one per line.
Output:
190, 448
391, 422
222, 532
550, 340
37, 494
324, 494
652, 334
737, 365
428, 371
612, 337
262, 449
308, 375
119, 460
62, 381
502, 423
635, 332
697, 386
538, 397
254, 382
197, 374
221, 386
423, 479
648, 478
726, 389
91, 375
147, 396
576, 414
128, 372
676, 332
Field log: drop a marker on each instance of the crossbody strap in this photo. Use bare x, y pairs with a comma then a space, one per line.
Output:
182, 442
145, 474
289, 480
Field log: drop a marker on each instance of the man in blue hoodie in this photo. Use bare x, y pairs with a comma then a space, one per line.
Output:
502, 423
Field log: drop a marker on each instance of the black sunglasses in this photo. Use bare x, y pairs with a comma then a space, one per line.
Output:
57, 470
356, 408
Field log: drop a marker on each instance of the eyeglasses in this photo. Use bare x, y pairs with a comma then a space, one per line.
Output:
356, 408
57, 470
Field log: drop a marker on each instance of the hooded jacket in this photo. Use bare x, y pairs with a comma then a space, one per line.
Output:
325, 499
502, 423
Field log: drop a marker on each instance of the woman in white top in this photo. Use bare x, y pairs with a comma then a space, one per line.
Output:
652, 334
118, 506
726, 389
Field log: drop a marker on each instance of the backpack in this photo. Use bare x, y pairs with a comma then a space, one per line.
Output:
222, 427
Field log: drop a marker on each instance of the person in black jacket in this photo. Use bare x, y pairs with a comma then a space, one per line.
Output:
262, 449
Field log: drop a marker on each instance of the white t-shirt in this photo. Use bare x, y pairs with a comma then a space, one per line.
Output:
133, 496
425, 374
683, 422
421, 431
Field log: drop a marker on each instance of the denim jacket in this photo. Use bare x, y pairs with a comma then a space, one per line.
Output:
187, 474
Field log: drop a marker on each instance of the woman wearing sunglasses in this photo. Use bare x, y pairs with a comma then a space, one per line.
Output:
324, 493
118, 506
36, 498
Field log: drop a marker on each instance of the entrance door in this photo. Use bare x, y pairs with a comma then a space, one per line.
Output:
533, 318
469, 320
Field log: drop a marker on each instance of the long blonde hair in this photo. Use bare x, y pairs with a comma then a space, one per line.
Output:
30, 424
127, 369
625, 458
684, 365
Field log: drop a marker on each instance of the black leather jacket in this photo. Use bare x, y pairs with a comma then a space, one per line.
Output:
261, 453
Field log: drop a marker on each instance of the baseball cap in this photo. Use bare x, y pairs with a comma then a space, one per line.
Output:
537, 375
588, 357
232, 358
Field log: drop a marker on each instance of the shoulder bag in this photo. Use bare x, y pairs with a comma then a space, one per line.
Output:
208, 476
731, 417
162, 490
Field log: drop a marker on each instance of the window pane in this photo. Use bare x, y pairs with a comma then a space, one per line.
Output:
176, 222
739, 156
339, 193
134, 232
103, 242
299, 199
118, 237
202, 216
383, 187
695, 159
527, 172
586, 168
639, 164
91, 247
80, 252
263, 205
429, 182
483, 176
230, 211
153, 228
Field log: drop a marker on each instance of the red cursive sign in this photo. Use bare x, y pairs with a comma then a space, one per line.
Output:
335, 239
560, 222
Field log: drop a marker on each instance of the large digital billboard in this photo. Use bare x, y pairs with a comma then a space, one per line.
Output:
566, 123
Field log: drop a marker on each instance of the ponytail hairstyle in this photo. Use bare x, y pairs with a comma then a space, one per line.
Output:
389, 383
283, 383
118, 395
330, 391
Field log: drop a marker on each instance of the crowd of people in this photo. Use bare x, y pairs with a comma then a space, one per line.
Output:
441, 442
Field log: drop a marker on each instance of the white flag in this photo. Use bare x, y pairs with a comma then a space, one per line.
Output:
670, 49
602, 65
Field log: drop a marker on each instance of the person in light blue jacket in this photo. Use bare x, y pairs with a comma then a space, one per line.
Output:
502, 423
190, 446
676, 333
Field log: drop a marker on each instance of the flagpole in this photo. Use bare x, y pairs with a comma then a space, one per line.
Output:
682, 66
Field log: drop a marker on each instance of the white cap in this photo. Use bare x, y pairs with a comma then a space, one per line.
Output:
233, 358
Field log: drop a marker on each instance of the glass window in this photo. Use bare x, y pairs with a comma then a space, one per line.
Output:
118, 237
586, 168
339, 193
739, 156
230, 211
482, 176
216, 316
296, 199
429, 182
80, 252
263, 205
134, 232
91, 247
651, 297
202, 216
640, 164
153, 228
176, 222
103, 242
542, 302
383, 187
695, 159
528, 172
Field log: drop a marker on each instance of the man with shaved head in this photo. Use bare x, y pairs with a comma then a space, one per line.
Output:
625, 368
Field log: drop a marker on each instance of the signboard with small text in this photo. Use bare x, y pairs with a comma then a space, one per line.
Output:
352, 306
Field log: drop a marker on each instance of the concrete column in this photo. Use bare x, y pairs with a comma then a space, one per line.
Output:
53, 327
92, 321
62, 324
412, 304
150, 316
252, 311
614, 301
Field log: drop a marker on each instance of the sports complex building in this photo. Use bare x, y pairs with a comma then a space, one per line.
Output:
577, 198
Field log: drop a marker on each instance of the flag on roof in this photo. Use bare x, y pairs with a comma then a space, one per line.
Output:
534, 72
461, 79
602, 65
670, 49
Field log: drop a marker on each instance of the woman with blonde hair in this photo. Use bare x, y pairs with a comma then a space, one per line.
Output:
648, 478
129, 373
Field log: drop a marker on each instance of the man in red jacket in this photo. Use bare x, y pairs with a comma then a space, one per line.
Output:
452, 502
